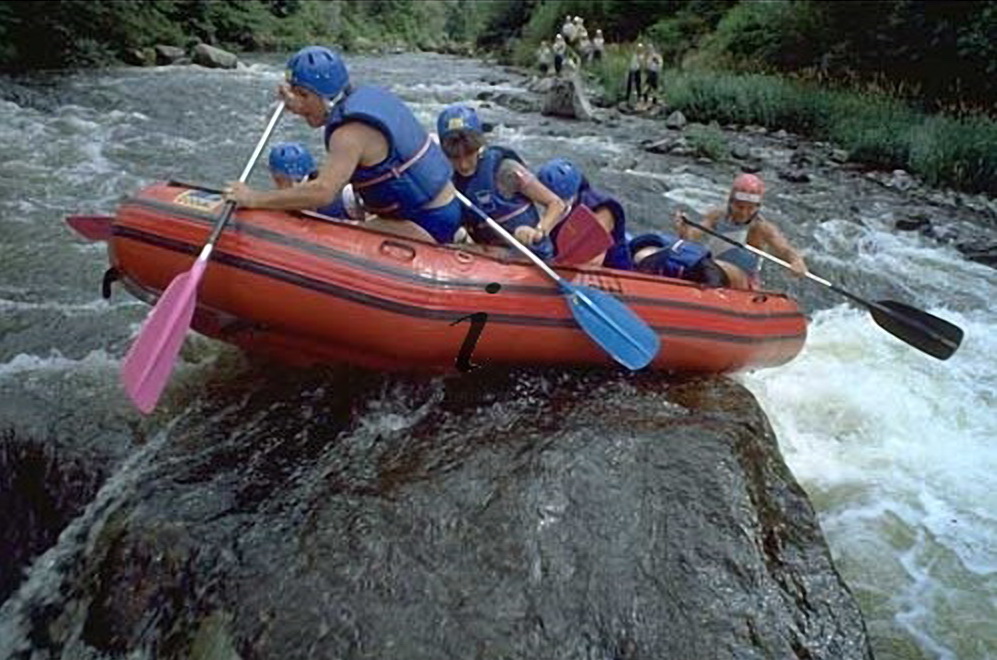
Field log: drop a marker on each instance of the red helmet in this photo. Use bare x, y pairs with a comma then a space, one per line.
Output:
747, 188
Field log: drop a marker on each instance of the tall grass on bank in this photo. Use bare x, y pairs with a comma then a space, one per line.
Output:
611, 72
875, 129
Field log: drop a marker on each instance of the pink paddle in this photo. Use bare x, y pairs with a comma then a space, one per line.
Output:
581, 238
91, 227
150, 360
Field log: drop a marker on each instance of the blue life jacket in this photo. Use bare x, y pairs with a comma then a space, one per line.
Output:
744, 259
415, 171
337, 209
677, 258
618, 255
482, 189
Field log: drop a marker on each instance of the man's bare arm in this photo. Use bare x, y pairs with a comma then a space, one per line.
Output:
775, 242
345, 149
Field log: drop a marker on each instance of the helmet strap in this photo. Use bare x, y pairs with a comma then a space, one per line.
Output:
331, 103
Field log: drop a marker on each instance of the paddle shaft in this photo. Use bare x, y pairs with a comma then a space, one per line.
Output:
573, 290
510, 239
246, 171
820, 280
150, 360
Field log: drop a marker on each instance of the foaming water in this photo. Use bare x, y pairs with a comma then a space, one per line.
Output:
896, 449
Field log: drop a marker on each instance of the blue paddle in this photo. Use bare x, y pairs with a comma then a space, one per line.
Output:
610, 323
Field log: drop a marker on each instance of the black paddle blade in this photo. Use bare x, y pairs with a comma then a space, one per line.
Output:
936, 337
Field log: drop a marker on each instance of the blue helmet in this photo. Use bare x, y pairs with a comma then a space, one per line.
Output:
457, 117
318, 69
560, 177
292, 160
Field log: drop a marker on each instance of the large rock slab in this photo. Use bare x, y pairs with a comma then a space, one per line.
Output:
214, 58
517, 514
566, 98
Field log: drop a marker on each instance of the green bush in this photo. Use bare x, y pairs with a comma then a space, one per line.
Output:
781, 34
675, 36
957, 152
877, 130
708, 141
611, 74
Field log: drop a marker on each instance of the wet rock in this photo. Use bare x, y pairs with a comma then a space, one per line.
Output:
918, 222
657, 111
664, 145
493, 78
624, 108
42, 488
740, 151
168, 54
803, 158
838, 156
140, 56
794, 175
214, 58
363, 44
977, 247
566, 98
427, 44
28, 97
541, 85
752, 166
525, 513
676, 121
987, 257
901, 180
517, 101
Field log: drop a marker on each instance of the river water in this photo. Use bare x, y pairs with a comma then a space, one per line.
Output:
897, 450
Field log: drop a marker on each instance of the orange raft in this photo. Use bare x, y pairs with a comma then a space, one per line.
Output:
312, 290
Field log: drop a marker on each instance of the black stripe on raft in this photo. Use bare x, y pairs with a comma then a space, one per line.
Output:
448, 315
410, 276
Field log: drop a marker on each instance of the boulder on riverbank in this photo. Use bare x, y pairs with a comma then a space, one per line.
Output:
512, 515
565, 97
213, 57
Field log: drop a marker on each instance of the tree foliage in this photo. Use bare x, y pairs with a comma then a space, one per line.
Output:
943, 52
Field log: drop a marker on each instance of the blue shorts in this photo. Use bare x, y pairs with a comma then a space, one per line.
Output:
743, 259
441, 222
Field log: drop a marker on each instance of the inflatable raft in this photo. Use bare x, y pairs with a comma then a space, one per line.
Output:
308, 289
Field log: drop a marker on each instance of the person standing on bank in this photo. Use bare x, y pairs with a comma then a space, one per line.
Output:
598, 46
634, 71
654, 63
545, 58
373, 141
585, 47
568, 30
741, 221
559, 49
